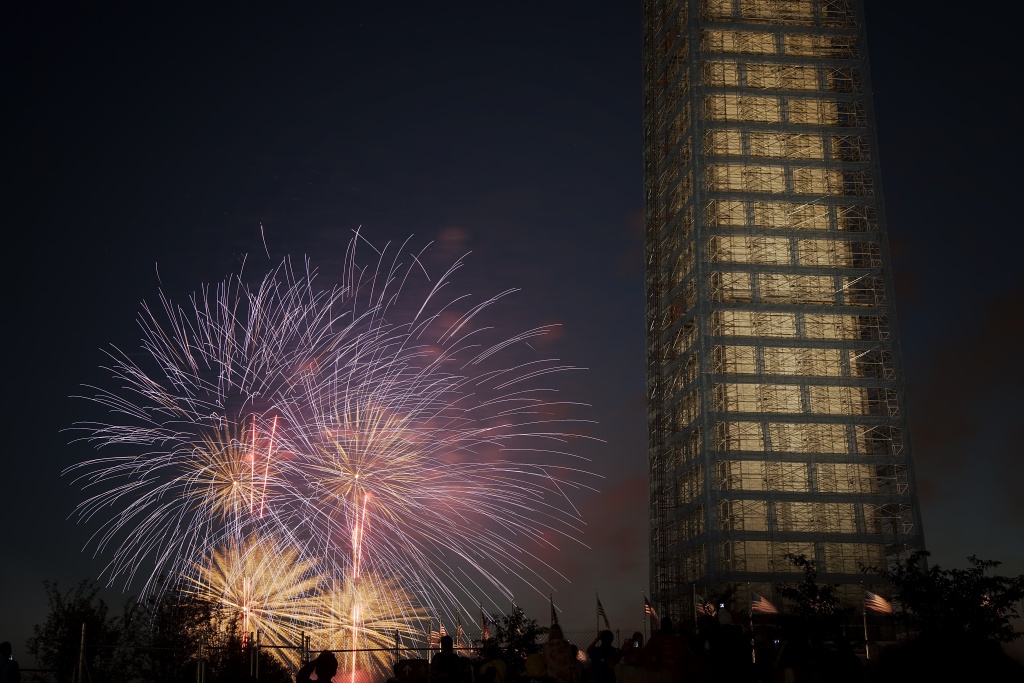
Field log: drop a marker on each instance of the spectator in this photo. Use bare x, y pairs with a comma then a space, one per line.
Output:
325, 665
603, 657
629, 668
446, 666
494, 669
558, 660
9, 671
667, 656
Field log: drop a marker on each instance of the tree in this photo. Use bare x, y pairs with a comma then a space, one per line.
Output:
815, 642
819, 614
812, 600
177, 627
228, 656
516, 637
954, 603
55, 644
959, 618
155, 642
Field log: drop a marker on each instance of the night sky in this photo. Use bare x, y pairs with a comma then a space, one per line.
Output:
162, 138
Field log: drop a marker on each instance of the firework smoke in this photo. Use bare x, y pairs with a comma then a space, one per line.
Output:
386, 444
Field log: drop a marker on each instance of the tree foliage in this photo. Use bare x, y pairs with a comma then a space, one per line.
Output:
178, 627
819, 616
155, 642
516, 637
810, 598
55, 642
954, 603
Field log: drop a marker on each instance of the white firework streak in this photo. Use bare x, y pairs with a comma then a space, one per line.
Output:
371, 435
266, 585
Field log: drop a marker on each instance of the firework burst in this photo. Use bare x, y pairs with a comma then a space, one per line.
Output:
369, 619
264, 585
388, 441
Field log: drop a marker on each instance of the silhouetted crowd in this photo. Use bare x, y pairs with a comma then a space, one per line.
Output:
727, 653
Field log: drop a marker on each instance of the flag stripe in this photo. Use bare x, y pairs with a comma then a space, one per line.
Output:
601, 613
759, 603
877, 603
649, 609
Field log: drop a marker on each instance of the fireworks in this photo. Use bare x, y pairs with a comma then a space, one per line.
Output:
265, 584
350, 446
368, 619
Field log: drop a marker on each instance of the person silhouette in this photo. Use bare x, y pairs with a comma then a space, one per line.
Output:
493, 669
629, 667
666, 654
325, 665
603, 657
9, 670
446, 666
558, 660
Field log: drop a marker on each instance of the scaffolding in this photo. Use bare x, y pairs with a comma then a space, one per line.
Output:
774, 384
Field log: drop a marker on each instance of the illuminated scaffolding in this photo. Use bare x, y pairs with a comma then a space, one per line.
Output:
775, 399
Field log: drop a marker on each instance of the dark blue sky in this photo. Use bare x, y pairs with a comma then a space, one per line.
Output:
144, 137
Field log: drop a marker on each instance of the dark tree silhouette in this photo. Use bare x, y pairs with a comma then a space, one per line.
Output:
815, 645
516, 637
153, 643
954, 603
811, 599
55, 643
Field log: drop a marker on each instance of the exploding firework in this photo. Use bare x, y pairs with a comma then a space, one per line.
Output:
369, 619
390, 442
263, 586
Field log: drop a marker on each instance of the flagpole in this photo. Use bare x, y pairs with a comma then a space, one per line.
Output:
643, 591
696, 623
864, 614
597, 617
485, 632
750, 606
750, 617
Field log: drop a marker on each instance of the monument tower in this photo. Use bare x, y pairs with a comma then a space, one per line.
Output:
776, 412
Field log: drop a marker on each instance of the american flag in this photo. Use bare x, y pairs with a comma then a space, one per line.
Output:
759, 603
876, 603
601, 613
703, 606
649, 609
485, 625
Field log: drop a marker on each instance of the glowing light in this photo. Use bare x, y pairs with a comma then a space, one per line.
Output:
367, 619
389, 456
266, 583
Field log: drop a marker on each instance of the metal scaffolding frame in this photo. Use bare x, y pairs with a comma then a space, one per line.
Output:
776, 417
